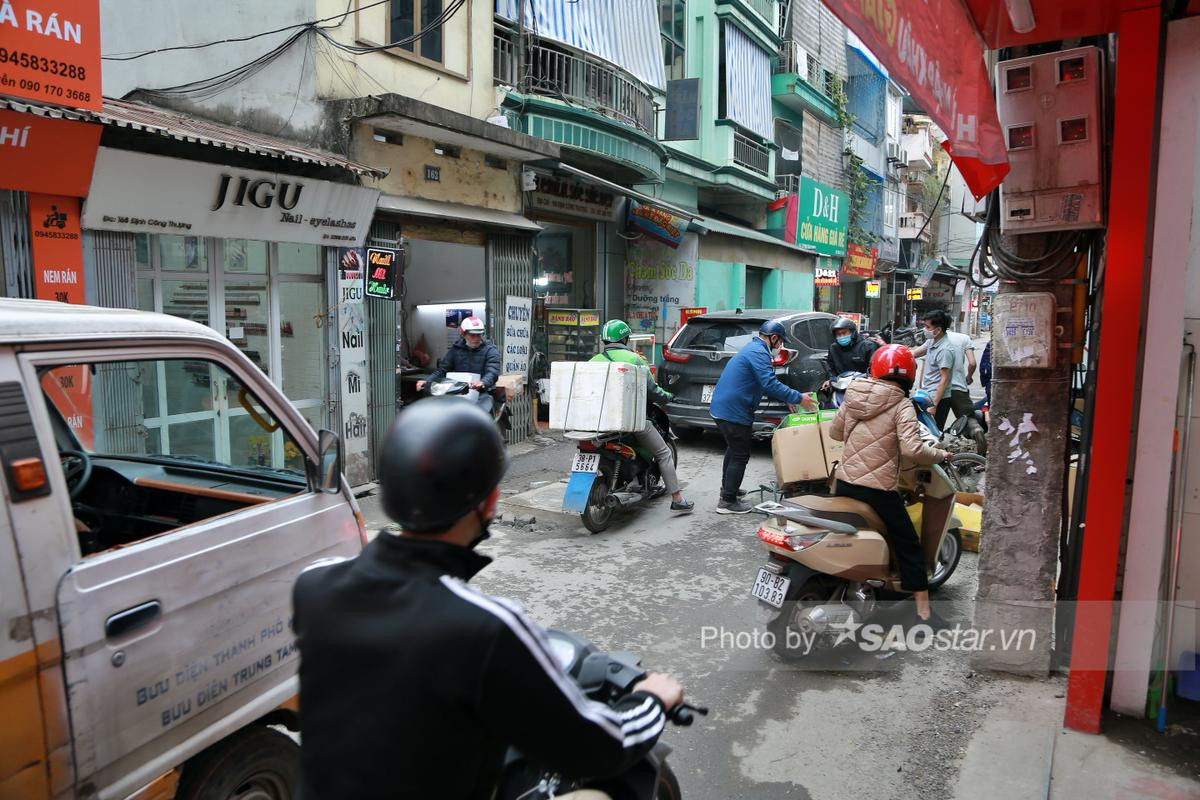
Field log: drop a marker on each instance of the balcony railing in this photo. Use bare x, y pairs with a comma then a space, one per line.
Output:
911, 223
575, 78
750, 154
795, 60
787, 184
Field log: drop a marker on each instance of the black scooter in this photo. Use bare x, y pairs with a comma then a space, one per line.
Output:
606, 678
611, 471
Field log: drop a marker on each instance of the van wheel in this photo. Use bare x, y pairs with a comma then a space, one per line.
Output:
255, 764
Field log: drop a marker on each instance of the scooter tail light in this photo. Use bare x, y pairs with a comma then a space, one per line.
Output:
588, 447
624, 450
790, 541
676, 358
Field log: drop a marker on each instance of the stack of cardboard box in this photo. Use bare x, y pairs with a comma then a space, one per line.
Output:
803, 450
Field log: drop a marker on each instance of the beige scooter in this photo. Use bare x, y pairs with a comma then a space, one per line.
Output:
828, 559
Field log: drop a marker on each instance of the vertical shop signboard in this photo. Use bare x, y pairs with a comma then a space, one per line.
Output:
518, 333
352, 351
57, 248
51, 51
660, 282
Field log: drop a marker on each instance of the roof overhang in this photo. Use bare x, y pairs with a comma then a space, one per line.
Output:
399, 114
187, 128
460, 212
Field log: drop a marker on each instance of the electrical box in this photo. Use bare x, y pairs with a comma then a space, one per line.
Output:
1050, 112
1024, 332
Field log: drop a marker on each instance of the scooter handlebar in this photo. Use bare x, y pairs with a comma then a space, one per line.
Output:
684, 714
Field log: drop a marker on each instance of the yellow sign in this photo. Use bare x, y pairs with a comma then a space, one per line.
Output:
589, 318
562, 318
916, 294
872, 289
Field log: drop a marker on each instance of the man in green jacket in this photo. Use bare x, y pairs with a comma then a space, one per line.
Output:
616, 348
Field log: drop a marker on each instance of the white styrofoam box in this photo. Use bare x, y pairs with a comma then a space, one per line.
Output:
601, 396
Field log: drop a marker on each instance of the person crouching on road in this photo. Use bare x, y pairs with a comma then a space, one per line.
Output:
879, 426
747, 377
472, 353
615, 334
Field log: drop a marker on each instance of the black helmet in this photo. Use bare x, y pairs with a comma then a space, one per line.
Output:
771, 328
438, 461
845, 323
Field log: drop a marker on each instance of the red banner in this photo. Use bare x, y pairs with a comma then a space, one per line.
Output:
50, 51
859, 261
58, 275
46, 155
687, 313
932, 49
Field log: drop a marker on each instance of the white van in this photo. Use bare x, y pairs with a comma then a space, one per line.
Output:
159, 497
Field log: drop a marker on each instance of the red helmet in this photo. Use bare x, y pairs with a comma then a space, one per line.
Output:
894, 361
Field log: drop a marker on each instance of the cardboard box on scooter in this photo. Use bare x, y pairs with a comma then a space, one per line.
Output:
833, 448
798, 451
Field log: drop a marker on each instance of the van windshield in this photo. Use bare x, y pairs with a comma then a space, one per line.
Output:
187, 410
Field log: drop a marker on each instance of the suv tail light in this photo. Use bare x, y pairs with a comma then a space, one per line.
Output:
677, 358
784, 356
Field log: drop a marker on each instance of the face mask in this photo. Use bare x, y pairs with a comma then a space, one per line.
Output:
484, 533
929, 334
844, 340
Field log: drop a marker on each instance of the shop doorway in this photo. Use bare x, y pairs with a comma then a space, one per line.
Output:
268, 299
756, 277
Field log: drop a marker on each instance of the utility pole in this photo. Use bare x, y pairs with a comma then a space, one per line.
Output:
1027, 457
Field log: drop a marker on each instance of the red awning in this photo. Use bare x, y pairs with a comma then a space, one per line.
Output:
933, 50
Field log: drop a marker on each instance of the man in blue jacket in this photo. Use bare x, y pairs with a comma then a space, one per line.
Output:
747, 377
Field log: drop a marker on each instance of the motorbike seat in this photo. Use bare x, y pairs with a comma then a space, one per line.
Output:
841, 509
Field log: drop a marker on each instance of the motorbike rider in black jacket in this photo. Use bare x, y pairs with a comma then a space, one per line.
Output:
471, 353
850, 352
413, 684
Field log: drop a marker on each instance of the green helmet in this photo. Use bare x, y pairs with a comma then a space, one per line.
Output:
615, 330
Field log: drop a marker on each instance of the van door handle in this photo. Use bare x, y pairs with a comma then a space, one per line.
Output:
131, 619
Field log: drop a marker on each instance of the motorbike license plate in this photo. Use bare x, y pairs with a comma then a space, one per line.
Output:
706, 394
770, 588
585, 462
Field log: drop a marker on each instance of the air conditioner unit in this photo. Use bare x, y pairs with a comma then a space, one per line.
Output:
893, 151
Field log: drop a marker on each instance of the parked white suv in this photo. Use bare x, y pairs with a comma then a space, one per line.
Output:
159, 498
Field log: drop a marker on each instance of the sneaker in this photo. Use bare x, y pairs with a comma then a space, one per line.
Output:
741, 493
684, 507
735, 507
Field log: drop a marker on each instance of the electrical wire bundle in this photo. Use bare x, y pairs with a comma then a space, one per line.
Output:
996, 262
213, 85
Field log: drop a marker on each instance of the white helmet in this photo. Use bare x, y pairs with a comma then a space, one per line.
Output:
472, 324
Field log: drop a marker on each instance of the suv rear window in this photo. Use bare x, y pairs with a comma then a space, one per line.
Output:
715, 334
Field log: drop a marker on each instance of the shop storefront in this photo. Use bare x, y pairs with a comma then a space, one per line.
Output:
263, 257
579, 265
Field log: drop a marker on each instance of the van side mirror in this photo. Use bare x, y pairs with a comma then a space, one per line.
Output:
329, 462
